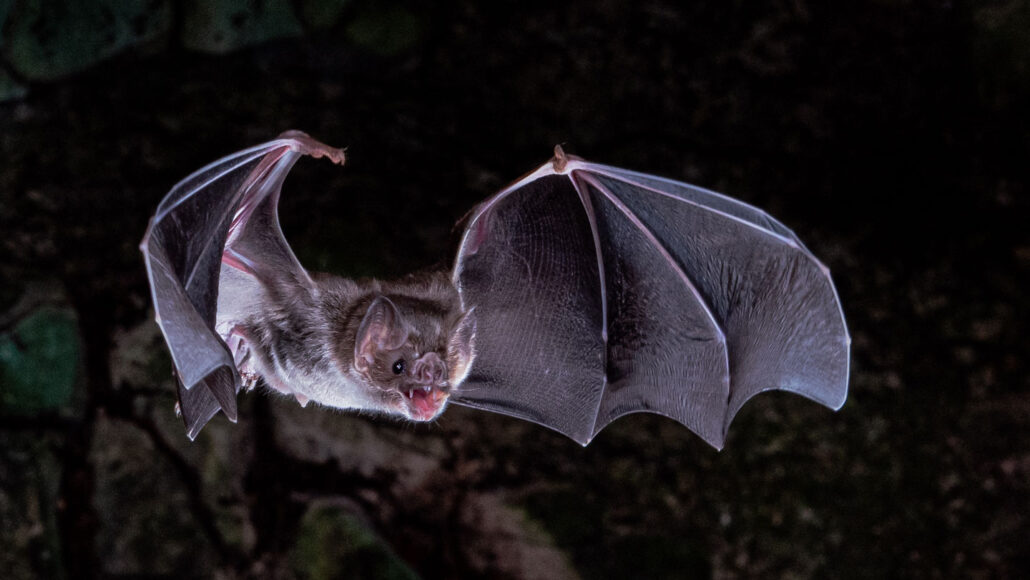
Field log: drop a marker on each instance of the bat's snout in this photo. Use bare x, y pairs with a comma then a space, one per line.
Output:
430, 370
427, 401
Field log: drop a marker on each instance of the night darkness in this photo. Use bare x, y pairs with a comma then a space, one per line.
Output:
892, 137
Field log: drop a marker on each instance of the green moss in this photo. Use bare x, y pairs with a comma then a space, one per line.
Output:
321, 14
334, 544
48, 39
385, 29
39, 361
221, 26
10, 89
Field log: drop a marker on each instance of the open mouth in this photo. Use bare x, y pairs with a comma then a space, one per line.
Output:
424, 403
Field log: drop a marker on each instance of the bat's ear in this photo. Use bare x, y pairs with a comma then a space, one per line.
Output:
382, 328
461, 349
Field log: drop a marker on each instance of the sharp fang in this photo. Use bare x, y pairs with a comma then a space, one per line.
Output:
410, 393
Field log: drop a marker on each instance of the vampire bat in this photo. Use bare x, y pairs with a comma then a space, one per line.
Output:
579, 293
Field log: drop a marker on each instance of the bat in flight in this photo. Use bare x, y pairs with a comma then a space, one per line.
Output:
579, 294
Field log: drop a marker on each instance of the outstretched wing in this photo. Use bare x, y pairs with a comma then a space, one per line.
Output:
223, 213
600, 292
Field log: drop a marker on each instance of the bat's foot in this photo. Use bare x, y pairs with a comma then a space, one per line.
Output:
250, 380
237, 341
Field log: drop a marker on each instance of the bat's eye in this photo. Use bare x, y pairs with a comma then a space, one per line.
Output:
398, 367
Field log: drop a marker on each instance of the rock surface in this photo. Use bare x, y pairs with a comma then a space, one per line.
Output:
890, 136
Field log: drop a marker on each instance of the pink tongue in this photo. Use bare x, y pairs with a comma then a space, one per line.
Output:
424, 402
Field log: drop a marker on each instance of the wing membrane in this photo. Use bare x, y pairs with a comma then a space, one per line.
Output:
530, 266
185, 248
698, 302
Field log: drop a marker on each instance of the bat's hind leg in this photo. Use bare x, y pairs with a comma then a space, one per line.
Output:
248, 365
237, 341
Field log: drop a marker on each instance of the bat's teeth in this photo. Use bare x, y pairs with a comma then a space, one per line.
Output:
427, 389
411, 393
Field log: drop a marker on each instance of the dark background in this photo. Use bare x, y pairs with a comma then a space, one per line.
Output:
891, 136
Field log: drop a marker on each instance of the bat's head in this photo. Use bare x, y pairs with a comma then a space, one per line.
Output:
413, 359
